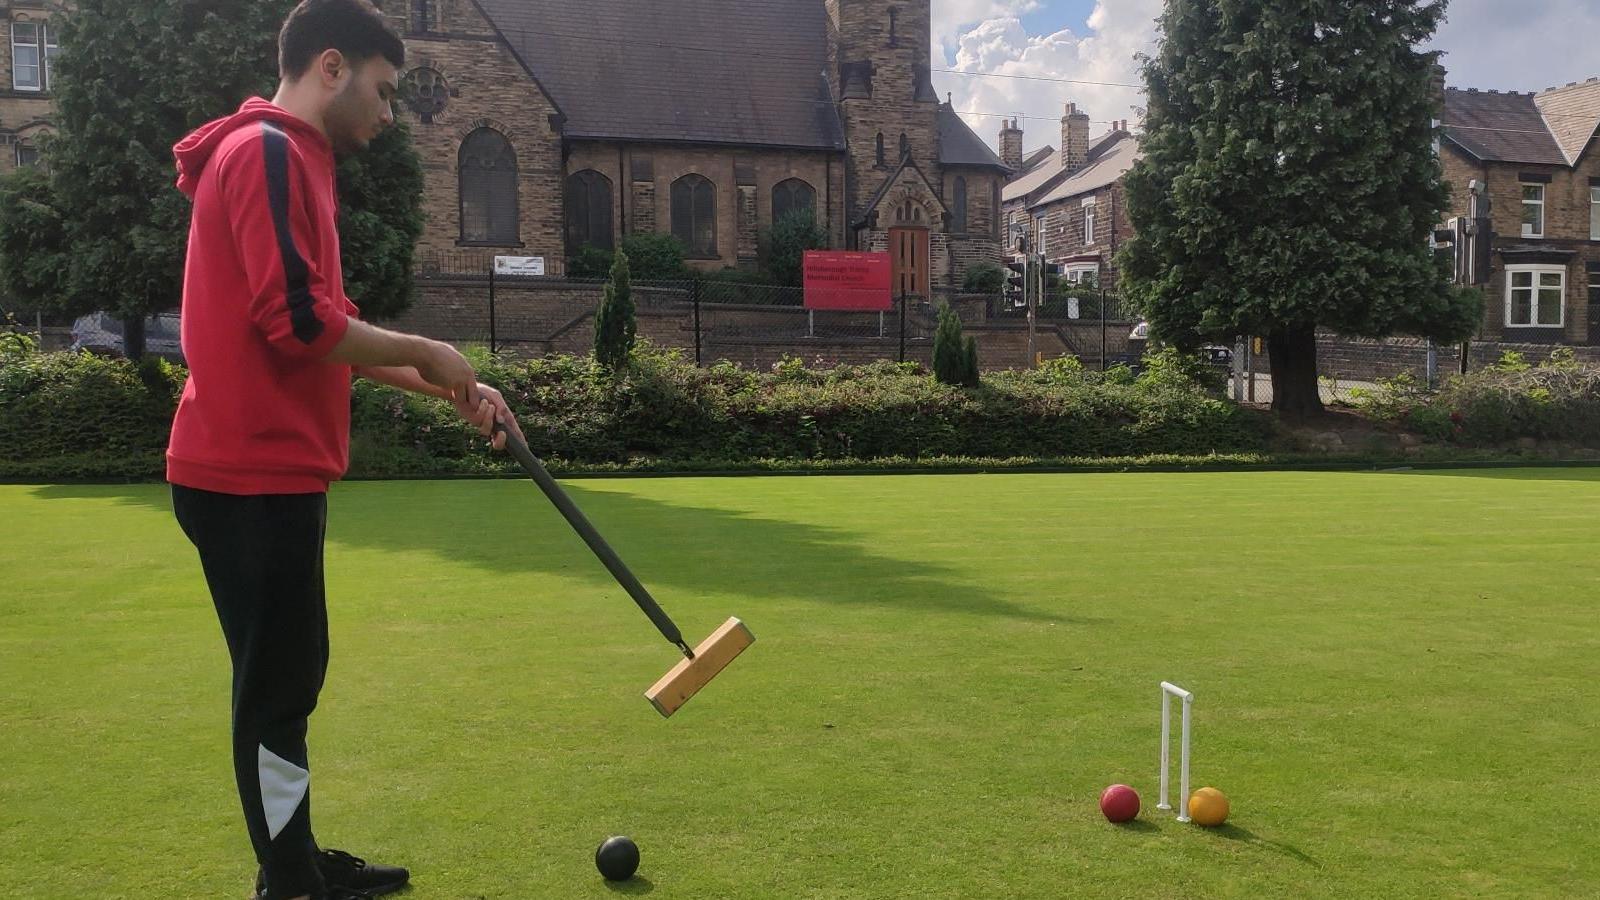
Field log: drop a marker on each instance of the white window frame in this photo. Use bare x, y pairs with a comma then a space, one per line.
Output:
37, 45
1534, 288
21, 147
1594, 212
1039, 246
1539, 233
1075, 272
51, 48
1088, 221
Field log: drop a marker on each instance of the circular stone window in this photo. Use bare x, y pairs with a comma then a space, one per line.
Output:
426, 93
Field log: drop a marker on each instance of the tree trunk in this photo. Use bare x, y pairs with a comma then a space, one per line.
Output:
133, 337
1294, 372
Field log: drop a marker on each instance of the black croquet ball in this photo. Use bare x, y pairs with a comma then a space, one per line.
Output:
617, 858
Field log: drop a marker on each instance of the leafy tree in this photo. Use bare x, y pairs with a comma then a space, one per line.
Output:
32, 237
654, 256
589, 262
984, 278
380, 222
132, 78
1288, 181
783, 247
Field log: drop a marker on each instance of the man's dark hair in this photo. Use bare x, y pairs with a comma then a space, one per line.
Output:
355, 28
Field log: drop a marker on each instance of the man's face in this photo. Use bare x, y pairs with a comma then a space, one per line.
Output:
363, 107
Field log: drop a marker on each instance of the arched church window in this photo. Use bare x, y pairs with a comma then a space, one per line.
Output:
488, 186
791, 196
588, 211
694, 215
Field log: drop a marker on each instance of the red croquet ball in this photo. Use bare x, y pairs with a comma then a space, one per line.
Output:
1120, 803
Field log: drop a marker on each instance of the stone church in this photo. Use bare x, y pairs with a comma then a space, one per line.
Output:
547, 125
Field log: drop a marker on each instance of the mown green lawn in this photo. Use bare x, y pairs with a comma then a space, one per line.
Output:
1394, 676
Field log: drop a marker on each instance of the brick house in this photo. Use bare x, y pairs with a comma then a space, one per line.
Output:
545, 126
1070, 202
26, 105
1535, 157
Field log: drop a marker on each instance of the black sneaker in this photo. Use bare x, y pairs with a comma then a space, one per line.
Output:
341, 870
354, 876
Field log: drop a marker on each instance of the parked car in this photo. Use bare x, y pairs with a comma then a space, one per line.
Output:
101, 332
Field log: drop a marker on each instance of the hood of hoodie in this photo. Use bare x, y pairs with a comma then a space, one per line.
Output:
194, 151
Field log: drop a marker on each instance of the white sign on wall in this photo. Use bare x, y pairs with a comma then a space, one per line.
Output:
519, 265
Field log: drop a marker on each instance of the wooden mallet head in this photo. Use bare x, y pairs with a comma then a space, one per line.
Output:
691, 674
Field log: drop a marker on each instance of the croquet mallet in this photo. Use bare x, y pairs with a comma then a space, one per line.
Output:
699, 665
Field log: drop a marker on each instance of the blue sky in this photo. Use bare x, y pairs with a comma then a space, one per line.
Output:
1488, 44
1056, 14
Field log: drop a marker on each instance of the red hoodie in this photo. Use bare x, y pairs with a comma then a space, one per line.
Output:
263, 304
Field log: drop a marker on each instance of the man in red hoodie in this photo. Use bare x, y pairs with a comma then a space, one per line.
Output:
264, 423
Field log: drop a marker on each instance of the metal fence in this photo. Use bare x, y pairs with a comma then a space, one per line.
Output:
733, 315
1096, 325
51, 331
723, 315
1350, 370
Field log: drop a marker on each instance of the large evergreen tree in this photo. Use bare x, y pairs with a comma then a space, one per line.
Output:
1288, 181
134, 76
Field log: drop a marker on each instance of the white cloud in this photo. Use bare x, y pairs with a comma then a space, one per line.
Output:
1491, 44
1487, 43
995, 42
951, 16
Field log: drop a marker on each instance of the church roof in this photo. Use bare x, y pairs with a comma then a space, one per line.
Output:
709, 71
960, 146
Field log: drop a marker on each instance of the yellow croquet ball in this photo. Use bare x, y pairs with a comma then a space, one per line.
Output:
1208, 806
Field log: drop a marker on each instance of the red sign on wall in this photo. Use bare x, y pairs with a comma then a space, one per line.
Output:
836, 279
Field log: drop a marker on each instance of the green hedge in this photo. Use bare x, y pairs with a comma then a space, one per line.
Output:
1558, 399
77, 416
72, 415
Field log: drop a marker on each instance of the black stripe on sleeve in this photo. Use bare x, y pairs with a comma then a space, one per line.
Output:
302, 308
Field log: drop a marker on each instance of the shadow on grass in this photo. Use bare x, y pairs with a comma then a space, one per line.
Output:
638, 884
510, 528
1235, 833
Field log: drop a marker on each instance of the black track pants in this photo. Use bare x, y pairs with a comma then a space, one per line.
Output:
262, 557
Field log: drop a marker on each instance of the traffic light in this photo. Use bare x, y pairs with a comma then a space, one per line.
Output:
1016, 282
1464, 243
1446, 243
